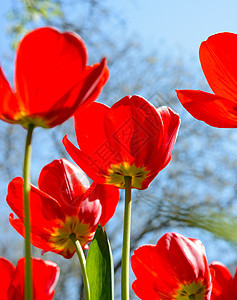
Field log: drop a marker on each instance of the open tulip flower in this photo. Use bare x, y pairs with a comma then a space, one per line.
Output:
219, 63
52, 79
132, 138
45, 277
224, 286
64, 204
175, 268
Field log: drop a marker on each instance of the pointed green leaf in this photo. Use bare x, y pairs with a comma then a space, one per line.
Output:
100, 268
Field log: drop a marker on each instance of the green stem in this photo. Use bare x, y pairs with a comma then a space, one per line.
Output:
26, 177
126, 240
82, 261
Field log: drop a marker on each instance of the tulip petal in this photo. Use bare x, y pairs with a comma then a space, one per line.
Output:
89, 212
45, 285
221, 279
144, 290
92, 140
86, 91
160, 270
96, 77
104, 76
233, 287
65, 182
218, 60
45, 277
48, 65
6, 274
9, 105
132, 129
91, 135
169, 126
212, 109
108, 196
171, 122
44, 209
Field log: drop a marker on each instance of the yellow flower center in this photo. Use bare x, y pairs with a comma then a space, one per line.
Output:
117, 172
192, 291
25, 120
60, 237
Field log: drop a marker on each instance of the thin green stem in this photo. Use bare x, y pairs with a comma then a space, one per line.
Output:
82, 261
126, 240
26, 177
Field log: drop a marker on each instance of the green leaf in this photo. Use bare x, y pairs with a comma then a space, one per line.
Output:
100, 268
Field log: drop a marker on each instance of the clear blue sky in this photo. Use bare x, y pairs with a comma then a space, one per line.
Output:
180, 24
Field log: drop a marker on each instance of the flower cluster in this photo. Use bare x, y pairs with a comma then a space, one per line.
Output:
124, 146
131, 141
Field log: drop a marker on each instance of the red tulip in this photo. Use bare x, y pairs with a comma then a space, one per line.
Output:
64, 204
131, 138
51, 79
175, 268
45, 277
219, 63
224, 287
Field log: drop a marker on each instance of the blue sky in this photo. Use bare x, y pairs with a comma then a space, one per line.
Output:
178, 25
3, 12
181, 24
